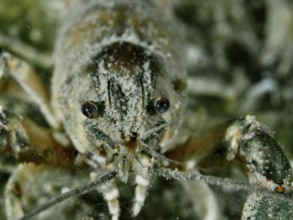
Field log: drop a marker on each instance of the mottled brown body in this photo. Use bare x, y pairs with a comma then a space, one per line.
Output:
119, 93
121, 55
117, 64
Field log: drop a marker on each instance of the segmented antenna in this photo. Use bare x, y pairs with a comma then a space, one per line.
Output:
168, 174
153, 153
162, 126
74, 192
222, 182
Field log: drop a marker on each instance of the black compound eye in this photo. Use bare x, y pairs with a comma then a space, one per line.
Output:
89, 109
162, 104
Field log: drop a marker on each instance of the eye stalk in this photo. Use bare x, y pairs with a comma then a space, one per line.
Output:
159, 105
92, 109
162, 104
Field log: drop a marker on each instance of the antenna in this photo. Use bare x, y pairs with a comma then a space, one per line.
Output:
223, 182
74, 192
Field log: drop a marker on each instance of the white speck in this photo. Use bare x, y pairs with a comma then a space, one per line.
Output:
112, 195
64, 189
141, 180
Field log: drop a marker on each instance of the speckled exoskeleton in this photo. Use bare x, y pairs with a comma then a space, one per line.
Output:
118, 113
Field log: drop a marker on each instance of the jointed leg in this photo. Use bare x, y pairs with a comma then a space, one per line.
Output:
30, 143
14, 189
26, 51
252, 143
142, 179
25, 76
111, 194
248, 141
